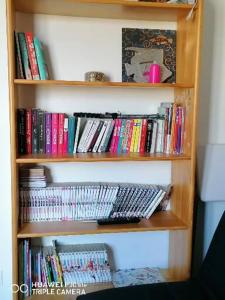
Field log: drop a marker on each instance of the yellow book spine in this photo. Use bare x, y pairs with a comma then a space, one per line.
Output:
133, 136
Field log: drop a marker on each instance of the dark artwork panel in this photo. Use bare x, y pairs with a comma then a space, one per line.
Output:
142, 47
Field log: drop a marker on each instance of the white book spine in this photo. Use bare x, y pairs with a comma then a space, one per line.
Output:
96, 146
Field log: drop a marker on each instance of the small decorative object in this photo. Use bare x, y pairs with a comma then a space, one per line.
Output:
154, 74
94, 76
143, 47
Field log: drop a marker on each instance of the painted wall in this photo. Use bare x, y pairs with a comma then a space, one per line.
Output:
211, 117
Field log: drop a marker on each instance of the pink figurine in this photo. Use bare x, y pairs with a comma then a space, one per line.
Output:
154, 74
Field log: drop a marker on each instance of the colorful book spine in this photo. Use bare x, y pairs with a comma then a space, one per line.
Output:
42, 66
41, 132
55, 124
48, 133
34, 131
71, 133
32, 56
143, 136
25, 57
130, 136
121, 136
28, 131
117, 137
60, 134
20, 71
65, 136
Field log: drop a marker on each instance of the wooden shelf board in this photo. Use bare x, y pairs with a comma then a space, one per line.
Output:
115, 9
159, 221
98, 157
100, 84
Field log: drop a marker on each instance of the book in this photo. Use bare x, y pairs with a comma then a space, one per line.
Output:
55, 130
28, 131
32, 55
87, 132
41, 131
48, 133
71, 133
35, 144
19, 64
24, 54
65, 136
86, 200
60, 132
42, 65
21, 124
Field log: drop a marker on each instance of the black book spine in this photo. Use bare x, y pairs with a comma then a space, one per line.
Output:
21, 125
34, 131
149, 135
41, 132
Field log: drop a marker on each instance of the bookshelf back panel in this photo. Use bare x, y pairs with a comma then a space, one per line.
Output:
77, 45
152, 247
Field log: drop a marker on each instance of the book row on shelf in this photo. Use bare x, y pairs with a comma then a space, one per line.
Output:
30, 59
64, 265
41, 132
91, 201
72, 267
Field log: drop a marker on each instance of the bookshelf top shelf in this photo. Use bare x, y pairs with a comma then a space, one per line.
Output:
159, 221
107, 84
115, 9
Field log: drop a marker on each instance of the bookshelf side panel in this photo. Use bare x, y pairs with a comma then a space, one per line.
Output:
183, 173
12, 103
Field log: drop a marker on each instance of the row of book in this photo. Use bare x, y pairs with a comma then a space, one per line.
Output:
33, 177
65, 265
91, 201
41, 132
30, 59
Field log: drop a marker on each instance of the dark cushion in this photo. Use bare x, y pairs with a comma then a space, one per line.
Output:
188, 290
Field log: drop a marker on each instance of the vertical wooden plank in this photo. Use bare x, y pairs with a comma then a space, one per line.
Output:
12, 103
183, 173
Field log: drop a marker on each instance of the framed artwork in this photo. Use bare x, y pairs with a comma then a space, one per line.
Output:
142, 47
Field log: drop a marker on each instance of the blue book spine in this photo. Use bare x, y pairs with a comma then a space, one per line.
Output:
121, 136
42, 66
71, 134
24, 53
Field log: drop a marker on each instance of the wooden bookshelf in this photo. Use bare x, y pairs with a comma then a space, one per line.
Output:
98, 157
108, 84
179, 220
158, 222
113, 9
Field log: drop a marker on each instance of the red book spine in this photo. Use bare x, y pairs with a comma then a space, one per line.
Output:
55, 127
117, 137
32, 56
130, 136
65, 136
28, 131
60, 134
143, 135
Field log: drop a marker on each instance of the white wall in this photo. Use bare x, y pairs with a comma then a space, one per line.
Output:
5, 184
212, 111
